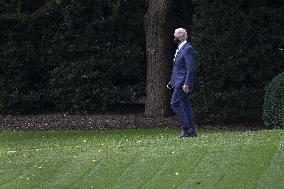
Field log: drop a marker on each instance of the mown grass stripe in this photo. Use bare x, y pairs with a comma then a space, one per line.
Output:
230, 165
273, 177
111, 166
47, 174
138, 159
128, 169
147, 163
72, 172
177, 168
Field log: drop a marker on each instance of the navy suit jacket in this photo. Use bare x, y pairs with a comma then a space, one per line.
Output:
183, 67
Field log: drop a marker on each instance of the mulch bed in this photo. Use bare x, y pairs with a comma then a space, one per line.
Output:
82, 122
61, 121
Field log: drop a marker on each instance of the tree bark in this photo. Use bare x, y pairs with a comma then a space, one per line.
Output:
158, 28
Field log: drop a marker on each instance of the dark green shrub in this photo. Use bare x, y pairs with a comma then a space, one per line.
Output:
83, 56
22, 74
83, 86
239, 48
273, 108
98, 53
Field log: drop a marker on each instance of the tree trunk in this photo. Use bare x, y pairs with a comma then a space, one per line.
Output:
158, 27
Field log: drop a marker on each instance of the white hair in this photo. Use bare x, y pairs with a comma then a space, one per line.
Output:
182, 32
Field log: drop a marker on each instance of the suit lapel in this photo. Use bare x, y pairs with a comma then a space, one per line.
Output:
179, 52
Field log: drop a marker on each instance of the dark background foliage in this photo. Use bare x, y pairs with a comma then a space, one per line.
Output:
239, 47
89, 56
273, 108
86, 56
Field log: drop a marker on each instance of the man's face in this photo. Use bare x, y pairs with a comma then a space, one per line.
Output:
177, 35
177, 38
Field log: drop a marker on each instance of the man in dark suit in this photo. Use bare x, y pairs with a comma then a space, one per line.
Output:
182, 83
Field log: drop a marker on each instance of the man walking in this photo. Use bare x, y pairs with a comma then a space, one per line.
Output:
182, 83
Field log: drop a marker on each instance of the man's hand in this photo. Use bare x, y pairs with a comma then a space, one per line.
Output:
185, 88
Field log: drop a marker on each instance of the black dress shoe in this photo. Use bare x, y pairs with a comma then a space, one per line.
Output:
187, 134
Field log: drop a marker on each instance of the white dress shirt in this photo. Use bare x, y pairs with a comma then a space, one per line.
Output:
178, 48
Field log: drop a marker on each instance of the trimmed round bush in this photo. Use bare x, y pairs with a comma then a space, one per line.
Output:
273, 108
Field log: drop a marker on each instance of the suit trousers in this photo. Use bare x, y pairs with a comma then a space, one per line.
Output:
181, 104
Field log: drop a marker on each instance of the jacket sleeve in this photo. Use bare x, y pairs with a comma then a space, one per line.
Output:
190, 66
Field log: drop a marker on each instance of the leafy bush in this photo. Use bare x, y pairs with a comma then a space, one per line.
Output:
100, 55
84, 56
22, 75
273, 108
239, 48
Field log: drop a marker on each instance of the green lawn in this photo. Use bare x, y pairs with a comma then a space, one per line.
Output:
149, 158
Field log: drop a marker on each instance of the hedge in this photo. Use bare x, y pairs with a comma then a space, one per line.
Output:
273, 108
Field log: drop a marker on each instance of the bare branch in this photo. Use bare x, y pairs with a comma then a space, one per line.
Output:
46, 9
23, 18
